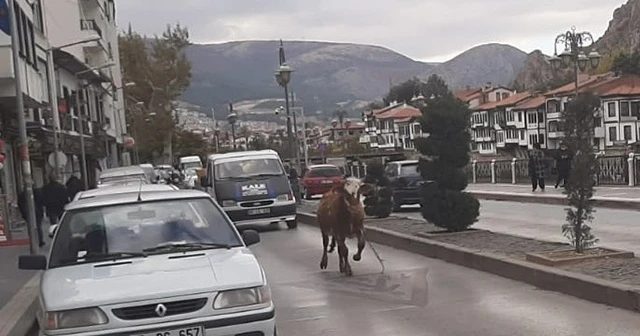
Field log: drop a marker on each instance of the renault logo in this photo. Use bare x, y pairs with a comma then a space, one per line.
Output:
161, 310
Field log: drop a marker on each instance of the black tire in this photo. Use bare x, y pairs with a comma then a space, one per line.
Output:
307, 196
292, 224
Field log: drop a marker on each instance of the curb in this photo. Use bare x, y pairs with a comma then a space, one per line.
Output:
544, 277
602, 202
18, 316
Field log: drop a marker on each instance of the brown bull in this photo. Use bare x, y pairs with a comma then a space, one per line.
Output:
341, 216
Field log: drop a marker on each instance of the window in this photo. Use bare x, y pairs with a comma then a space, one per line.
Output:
541, 139
625, 109
533, 139
597, 122
505, 95
635, 109
241, 168
37, 10
611, 107
100, 233
519, 116
627, 132
521, 135
531, 118
540, 116
613, 134
409, 169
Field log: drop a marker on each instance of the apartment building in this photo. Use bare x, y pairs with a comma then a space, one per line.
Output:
80, 38
394, 127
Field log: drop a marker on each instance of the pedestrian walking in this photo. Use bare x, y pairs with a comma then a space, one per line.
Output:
37, 200
563, 166
537, 167
74, 186
294, 180
54, 197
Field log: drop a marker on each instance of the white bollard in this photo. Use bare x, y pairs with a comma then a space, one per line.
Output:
513, 170
493, 171
631, 161
473, 171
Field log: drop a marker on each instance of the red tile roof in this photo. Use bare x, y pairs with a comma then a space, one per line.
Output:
626, 85
467, 95
584, 82
512, 100
401, 112
531, 103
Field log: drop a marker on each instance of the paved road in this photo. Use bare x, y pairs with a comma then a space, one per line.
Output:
416, 296
615, 192
12, 279
615, 228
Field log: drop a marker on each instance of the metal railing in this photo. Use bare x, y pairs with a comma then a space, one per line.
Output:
90, 25
613, 170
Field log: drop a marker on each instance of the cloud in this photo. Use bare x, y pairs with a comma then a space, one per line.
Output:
421, 29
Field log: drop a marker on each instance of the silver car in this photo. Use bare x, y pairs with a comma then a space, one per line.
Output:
122, 175
151, 263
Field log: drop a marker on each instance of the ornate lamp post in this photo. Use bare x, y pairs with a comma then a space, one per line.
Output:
232, 118
283, 77
574, 54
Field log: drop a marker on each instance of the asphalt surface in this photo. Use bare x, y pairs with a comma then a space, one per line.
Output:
416, 296
616, 229
12, 279
606, 192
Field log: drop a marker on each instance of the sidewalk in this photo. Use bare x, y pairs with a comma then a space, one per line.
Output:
607, 197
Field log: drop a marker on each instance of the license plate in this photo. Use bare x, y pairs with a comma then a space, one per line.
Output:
258, 211
191, 331
327, 182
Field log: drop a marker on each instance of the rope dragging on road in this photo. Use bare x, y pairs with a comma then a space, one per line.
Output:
380, 260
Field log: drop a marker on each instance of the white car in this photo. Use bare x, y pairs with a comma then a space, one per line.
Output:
150, 263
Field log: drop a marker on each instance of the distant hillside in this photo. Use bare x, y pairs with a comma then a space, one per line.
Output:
622, 35
329, 73
490, 63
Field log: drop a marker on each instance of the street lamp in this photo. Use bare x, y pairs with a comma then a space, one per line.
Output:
283, 77
232, 117
575, 44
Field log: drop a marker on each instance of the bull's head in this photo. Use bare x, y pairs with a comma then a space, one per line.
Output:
352, 186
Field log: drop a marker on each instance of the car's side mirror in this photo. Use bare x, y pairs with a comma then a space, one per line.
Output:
250, 237
52, 230
32, 262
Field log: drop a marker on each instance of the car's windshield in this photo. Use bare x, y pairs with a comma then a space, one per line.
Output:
109, 232
191, 165
409, 169
122, 178
248, 167
324, 172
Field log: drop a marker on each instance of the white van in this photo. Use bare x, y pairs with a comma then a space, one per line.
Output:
252, 188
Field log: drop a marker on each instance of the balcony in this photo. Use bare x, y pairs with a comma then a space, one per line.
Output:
556, 134
553, 115
91, 27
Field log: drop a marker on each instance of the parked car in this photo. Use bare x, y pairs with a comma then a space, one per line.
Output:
151, 263
122, 175
404, 180
319, 179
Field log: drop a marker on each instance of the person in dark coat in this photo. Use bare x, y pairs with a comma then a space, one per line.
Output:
37, 200
537, 167
294, 180
74, 186
54, 198
563, 165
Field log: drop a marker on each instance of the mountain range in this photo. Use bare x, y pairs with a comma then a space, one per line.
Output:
327, 74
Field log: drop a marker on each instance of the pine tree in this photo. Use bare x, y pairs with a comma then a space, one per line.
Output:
578, 120
445, 153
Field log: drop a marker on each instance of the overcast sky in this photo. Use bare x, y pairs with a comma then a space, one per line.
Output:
427, 30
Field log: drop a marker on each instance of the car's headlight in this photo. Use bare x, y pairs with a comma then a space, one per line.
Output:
284, 197
229, 203
243, 297
75, 318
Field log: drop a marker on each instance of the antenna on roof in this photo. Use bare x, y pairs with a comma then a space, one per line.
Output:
140, 192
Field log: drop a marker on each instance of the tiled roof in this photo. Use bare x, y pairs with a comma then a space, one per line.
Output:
584, 82
531, 103
467, 95
400, 112
626, 85
512, 100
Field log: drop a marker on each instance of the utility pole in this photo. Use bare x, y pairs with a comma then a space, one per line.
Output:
295, 131
22, 129
83, 153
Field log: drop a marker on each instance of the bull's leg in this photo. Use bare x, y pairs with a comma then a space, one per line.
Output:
325, 243
333, 244
361, 244
343, 255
